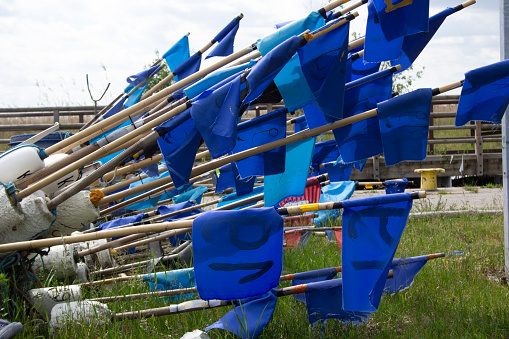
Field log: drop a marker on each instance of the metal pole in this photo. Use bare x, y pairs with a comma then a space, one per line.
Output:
504, 54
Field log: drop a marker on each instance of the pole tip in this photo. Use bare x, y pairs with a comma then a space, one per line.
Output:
241, 15
188, 34
422, 194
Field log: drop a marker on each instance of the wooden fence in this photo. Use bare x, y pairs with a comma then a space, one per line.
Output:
474, 149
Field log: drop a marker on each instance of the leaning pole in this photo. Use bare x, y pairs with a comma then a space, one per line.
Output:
504, 54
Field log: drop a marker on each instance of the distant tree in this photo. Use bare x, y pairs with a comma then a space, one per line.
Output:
163, 73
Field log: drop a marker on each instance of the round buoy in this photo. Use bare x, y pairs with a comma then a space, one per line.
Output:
36, 219
19, 163
44, 299
72, 215
60, 260
82, 272
78, 311
104, 257
62, 182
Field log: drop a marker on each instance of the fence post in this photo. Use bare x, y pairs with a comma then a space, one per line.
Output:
479, 148
376, 167
56, 116
431, 147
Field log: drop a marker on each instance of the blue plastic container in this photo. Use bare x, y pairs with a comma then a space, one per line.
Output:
47, 141
395, 186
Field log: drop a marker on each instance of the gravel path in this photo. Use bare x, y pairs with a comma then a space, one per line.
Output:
452, 199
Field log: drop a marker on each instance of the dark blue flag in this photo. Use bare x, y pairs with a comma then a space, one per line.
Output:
259, 131
179, 144
230, 198
404, 125
339, 170
404, 271
229, 177
188, 67
324, 301
249, 317
312, 276
356, 68
323, 63
362, 139
121, 222
237, 254
321, 151
225, 45
485, 94
117, 108
215, 113
389, 23
414, 44
372, 228
178, 53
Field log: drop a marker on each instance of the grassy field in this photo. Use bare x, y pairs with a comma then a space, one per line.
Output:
462, 296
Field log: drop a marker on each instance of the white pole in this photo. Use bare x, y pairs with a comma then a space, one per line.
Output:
504, 54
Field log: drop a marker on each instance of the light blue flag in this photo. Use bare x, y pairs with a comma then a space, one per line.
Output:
291, 81
151, 202
178, 53
172, 280
292, 182
335, 191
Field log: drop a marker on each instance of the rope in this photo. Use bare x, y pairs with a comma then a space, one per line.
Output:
11, 190
41, 152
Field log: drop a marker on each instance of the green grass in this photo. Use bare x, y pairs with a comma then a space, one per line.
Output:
454, 297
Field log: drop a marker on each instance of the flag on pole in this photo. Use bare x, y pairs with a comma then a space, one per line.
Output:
178, 53
485, 94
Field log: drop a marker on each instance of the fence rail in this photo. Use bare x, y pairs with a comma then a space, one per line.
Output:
479, 144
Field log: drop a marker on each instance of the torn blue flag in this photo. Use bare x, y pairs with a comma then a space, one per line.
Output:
404, 271
249, 318
225, 45
229, 177
372, 228
237, 254
485, 94
404, 125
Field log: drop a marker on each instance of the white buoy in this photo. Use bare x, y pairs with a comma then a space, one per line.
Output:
60, 260
82, 272
44, 299
85, 311
62, 182
72, 215
10, 215
196, 334
104, 257
19, 162
36, 218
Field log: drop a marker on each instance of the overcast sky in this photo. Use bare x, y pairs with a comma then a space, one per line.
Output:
49, 46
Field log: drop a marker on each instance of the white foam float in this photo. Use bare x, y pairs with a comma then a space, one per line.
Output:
72, 215
60, 259
65, 180
44, 299
102, 258
36, 217
85, 311
19, 162
82, 272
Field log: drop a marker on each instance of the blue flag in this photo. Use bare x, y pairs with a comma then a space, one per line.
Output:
485, 94
249, 317
291, 81
312, 276
225, 45
404, 125
372, 228
172, 280
292, 182
323, 63
237, 254
151, 202
136, 80
322, 150
362, 139
193, 194
117, 108
335, 191
356, 68
324, 301
178, 53
188, 67
215, 113
339, 170
230, 198
404, 271
121, 222
167, 209
389, 23
414, 44
259, 131
229, 177
179, 143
